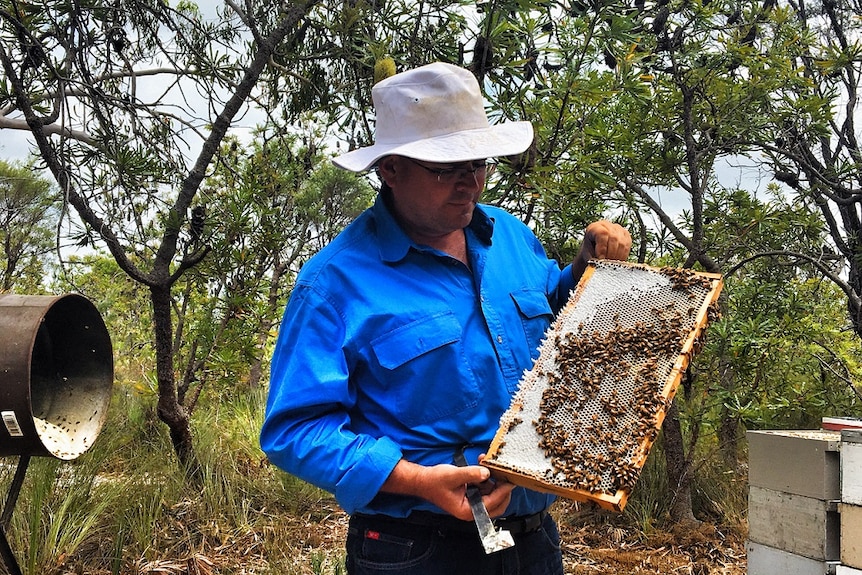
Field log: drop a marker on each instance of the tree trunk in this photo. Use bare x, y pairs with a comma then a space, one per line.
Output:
678, 468
170, 411
728, 428
728, 439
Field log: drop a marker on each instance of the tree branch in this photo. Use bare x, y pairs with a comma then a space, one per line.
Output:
822, 267
706, 261
50, 129
61, 174
192, 181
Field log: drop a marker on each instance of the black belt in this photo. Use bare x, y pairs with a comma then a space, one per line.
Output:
516, 525
522, 523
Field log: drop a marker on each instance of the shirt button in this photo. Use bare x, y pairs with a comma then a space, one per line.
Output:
499, 339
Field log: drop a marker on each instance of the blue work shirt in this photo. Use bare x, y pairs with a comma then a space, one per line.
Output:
389, 349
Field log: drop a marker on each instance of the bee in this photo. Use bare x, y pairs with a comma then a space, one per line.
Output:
514, 423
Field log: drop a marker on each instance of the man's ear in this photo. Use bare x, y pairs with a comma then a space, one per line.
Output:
387, 168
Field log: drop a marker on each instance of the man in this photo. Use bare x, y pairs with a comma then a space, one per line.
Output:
405, 338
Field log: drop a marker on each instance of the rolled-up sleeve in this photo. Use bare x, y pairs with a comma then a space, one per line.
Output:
307, 430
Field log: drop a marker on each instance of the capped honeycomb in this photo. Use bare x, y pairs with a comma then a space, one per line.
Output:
586, 415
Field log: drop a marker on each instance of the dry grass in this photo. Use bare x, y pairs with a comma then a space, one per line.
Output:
251, 519
308, 539
596, 542
595, 547
593, 544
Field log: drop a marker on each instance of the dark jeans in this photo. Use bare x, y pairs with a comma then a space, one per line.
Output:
377, 545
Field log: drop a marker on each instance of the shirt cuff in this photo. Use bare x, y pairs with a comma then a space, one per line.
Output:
363, 482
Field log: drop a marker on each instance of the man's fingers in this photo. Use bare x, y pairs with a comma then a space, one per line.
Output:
476, 474
497, 501
606, 240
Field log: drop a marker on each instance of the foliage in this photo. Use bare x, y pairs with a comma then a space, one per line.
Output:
767, 363
811, 139
27, 219
771, 369
89, 84
545, 71
124, 306
328, 69
631, 102
267, 209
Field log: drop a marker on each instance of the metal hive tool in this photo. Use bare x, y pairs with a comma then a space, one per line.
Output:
586, 415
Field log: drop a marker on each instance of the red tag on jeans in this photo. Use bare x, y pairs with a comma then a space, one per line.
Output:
369, 534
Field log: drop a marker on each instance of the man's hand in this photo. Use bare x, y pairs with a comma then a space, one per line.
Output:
446, 487
602, 240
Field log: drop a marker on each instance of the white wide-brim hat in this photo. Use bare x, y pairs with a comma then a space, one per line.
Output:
435, 113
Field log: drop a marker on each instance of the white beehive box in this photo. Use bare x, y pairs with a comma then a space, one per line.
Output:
802, 462
851, 467
765, 560
794, 523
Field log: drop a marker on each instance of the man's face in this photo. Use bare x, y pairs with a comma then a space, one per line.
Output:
433, 200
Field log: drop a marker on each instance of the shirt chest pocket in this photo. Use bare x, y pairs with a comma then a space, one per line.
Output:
424, 370
536, 316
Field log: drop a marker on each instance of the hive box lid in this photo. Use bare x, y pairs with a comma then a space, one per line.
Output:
839, 423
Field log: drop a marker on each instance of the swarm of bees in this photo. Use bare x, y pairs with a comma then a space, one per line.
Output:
69, 427
63, 437
606, 374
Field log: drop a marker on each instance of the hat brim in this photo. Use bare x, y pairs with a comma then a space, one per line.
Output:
506, 139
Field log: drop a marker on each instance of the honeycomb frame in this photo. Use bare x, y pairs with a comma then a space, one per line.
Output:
587, 413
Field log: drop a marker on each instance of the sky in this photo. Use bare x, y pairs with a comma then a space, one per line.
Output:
15, 145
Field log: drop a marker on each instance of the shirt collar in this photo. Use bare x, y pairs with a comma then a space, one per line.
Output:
394, 243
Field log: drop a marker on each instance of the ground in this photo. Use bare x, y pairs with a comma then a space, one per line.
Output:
594, 543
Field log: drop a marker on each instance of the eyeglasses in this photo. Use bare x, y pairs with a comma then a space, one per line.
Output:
452, 175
